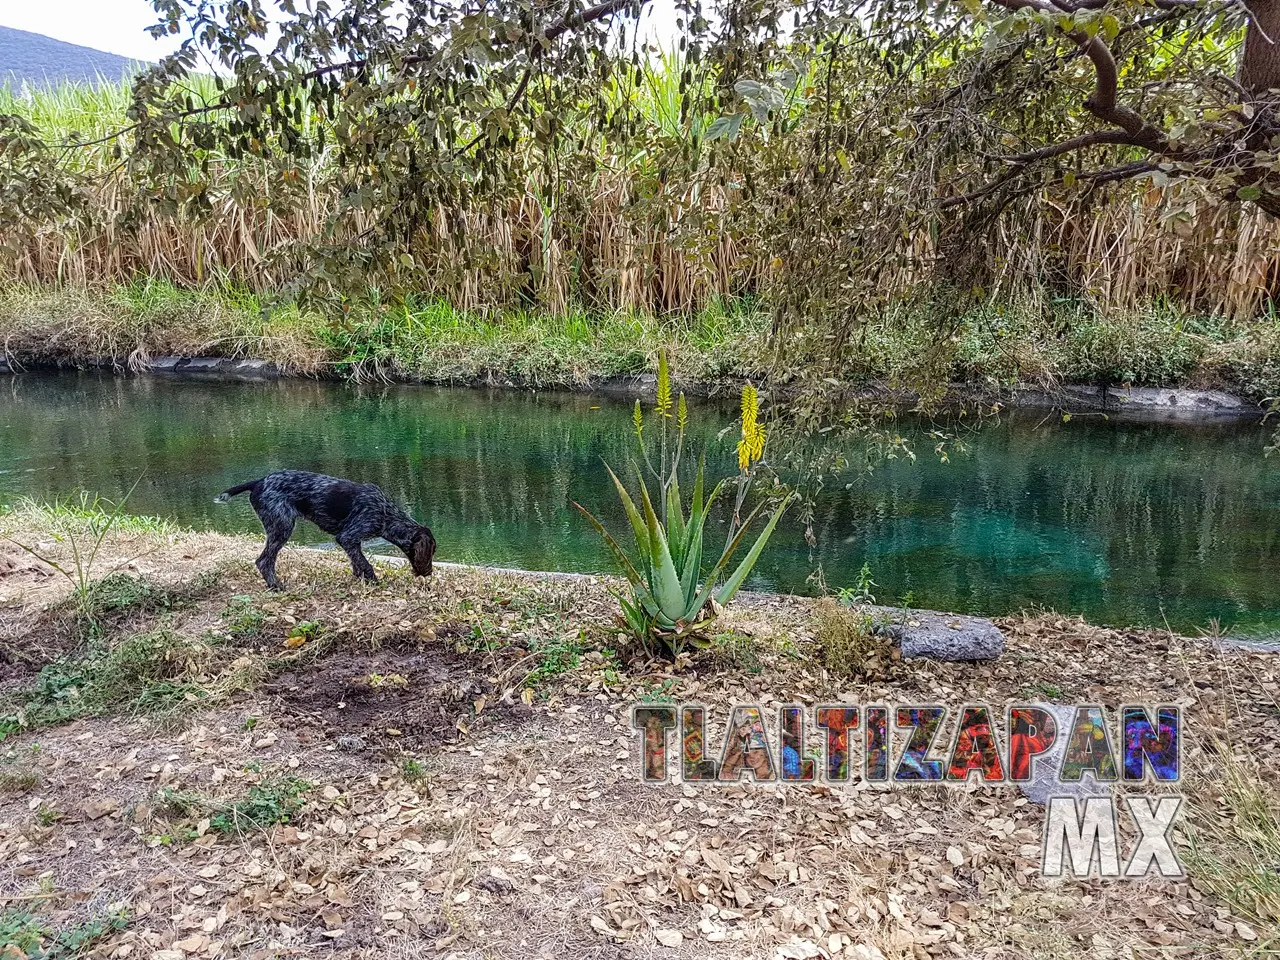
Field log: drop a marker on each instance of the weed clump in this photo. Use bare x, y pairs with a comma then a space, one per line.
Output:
155, 671
264, 805
848, 644
34, 939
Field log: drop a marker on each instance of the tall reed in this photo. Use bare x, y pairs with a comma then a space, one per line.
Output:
608, 234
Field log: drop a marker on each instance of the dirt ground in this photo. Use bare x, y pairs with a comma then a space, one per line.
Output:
472, 782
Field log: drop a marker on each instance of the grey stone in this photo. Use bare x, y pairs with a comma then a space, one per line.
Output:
351, 743
223, 367
1044, 783
942, 636
1162, 402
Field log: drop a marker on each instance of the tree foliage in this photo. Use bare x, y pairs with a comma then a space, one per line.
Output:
865, 148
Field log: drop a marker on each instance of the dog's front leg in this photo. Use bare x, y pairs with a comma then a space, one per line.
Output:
360, 565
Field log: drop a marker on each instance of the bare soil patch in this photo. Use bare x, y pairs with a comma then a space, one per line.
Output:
393, 698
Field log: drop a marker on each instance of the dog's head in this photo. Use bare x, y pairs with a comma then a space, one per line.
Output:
421, 551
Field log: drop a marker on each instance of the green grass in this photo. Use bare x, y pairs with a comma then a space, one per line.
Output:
243, 620
1234, 849
426, 341
265, 804
556, 656
412, 769
997, 345
152, 672
36, 940
86, 514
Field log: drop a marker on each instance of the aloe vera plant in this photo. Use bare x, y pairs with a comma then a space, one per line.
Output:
671, 598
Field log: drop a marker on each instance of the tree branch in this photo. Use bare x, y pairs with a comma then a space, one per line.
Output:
1104, 103
570, 21
1119, 137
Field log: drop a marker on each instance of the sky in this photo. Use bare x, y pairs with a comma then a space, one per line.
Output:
120, 26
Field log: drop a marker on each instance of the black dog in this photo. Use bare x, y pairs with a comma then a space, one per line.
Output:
352, 512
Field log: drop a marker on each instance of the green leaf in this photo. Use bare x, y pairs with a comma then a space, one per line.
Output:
637, 524
665, 584
1251, 192
726, 592
726, 127
675, 523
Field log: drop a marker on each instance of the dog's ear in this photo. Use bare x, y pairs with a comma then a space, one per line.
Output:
424, 549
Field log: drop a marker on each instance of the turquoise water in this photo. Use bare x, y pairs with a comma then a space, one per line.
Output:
1126, 523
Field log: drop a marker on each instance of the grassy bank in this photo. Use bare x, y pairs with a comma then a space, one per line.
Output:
429, 341
190, 766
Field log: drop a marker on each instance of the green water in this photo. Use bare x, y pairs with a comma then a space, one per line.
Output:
1126, 523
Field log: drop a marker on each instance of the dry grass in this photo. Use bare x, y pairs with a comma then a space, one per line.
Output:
611, 236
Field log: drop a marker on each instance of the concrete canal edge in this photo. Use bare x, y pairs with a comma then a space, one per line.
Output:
1146, 403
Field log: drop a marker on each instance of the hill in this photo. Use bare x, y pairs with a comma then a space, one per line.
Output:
38, 59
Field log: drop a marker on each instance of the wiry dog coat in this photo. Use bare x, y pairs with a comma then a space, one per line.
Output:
352, 512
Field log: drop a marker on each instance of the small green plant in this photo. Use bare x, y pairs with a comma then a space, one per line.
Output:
21, 929
737, 650
47, 816
860, 592
152, 672
265, 804
83, 525
664, 692
555, 656
412, 769
36, 941
671, 601
305, 630
243, 619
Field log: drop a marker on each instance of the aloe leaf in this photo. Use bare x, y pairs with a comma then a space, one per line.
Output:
735, 541
637, 525
698, 516
731, 547
675, 524
730, 587
689, 578
619, 554
665, 584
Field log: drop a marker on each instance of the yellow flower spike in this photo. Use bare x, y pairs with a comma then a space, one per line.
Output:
757, 443
751, 446
664, 385
682, 413
637, 419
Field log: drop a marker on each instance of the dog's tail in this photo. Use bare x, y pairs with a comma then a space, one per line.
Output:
226, 495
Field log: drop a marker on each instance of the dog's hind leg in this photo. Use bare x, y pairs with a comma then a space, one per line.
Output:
360, 565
